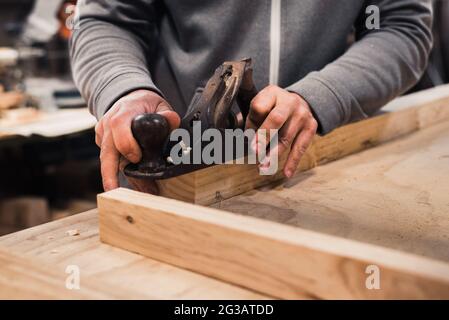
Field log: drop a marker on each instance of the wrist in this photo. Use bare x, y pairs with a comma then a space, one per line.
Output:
142, 93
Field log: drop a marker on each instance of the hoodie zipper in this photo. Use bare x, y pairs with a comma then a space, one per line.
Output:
275, 41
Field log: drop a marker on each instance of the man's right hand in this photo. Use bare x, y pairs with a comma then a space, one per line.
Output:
116, 141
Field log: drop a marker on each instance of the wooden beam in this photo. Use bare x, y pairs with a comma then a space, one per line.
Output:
271, 258
401, 117
22, 278
394, 195
50, 245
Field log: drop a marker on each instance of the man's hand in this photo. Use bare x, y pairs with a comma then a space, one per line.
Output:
114, 136
276, 108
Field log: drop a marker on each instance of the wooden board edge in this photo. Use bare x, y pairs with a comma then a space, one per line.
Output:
405, 116
271, 258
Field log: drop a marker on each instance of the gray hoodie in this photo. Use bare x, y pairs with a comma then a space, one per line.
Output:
173, 46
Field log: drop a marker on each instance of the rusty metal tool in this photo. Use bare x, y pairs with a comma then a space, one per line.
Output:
222, 104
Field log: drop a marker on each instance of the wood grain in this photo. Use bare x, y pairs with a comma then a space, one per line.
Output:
22, 278
275, 259
401, 117
395, 195
51, 246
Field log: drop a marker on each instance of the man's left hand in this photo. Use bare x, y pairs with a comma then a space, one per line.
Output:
276, 108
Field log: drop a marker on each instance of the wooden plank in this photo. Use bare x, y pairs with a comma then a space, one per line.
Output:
395, 196
51, 246
22, 278
275, 259
403, 116
28, 122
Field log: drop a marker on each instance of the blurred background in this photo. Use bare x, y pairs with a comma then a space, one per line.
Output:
49, 165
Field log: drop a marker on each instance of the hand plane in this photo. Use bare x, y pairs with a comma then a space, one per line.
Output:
222, 104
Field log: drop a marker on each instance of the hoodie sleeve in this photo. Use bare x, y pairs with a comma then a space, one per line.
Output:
108, 50
381, 65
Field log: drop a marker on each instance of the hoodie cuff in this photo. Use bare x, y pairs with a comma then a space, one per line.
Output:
324, 103
120, 87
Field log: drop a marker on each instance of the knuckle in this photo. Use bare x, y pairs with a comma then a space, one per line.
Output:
301, 150
103, 156
293, 99
313, 125
277, 118
295, 158
98, 139
302, 112
298, 151
285, 141
104, 153
258, 107
98, 127
115, 121
257, 104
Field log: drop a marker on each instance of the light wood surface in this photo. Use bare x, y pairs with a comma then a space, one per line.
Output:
27, 122
392, 196
395, 195
26, 279
272, 258
51, 246
403, 116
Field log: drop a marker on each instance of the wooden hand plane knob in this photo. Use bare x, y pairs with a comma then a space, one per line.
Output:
151, 130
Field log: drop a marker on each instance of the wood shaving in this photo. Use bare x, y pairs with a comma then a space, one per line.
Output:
72, 233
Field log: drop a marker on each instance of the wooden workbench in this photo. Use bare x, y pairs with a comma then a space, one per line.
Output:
392, 196
51, 246
374, 196
30, 122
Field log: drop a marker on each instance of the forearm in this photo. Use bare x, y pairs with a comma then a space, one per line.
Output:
108, 58
381, 65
